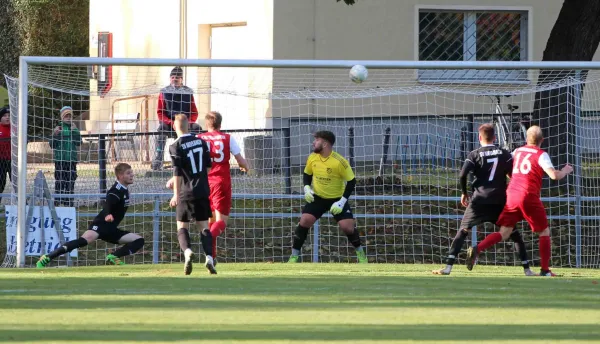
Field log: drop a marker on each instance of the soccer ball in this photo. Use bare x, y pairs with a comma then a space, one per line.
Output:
358, 74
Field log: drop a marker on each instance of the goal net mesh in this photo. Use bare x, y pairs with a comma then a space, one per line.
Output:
405, 132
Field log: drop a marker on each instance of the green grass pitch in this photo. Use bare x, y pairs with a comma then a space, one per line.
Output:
302, 303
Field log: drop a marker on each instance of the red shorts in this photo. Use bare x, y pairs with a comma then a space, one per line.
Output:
529, 208
220, 198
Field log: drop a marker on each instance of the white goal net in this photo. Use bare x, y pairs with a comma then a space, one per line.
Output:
406, 133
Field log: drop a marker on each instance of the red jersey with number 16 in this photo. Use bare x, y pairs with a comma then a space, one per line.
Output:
221, 146
529, 163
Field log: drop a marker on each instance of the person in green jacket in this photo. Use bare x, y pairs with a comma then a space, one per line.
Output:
65, 142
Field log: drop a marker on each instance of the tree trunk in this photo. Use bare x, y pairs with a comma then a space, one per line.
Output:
574, 37
9, 41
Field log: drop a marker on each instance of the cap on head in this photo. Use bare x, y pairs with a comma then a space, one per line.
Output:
66, 110
325, 135
4, 111
177, 72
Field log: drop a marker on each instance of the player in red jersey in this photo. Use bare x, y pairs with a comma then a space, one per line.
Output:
219, 178
523, 199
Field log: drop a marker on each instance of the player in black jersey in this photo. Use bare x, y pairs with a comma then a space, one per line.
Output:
191, 163
104, 226
490, 166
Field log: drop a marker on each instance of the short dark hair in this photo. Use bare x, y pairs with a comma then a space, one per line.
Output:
487, 132
213, 119
325, 135
121, 168
177, 71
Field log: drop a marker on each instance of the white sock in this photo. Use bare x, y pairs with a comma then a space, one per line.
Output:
188, 252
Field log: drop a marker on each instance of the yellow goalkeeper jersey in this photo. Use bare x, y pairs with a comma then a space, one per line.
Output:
329, 174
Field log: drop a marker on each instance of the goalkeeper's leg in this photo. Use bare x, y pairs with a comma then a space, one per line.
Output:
348, 226
311, 212
88, 237
300, 234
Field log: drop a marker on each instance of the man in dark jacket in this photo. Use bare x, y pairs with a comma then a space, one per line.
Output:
174, 99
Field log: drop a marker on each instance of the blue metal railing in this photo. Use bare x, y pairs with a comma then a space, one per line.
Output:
159, 198
414, 151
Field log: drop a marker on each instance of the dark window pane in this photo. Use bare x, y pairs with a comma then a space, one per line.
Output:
498, 36
441, 36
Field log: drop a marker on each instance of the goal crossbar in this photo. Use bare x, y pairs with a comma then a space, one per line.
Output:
26, 61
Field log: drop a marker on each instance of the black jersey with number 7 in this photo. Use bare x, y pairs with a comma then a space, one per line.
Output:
490, 166
191, 159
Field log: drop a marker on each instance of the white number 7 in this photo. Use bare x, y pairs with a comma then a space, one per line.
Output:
190, 156
495, 161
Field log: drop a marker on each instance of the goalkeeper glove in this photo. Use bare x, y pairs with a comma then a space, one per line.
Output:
336, 208
308, 194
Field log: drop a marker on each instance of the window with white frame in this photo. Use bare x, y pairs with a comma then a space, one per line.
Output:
472, 35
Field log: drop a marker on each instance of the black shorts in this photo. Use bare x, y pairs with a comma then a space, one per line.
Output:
108, 232
320, 206
477, 214
197, 209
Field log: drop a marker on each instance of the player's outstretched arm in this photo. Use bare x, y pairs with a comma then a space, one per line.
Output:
558, 174
546, 164
242, 163
236, 151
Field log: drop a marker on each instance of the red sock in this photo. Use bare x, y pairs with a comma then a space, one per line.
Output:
215, 230
489, 241
545, 248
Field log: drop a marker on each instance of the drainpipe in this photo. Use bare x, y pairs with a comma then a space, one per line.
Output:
183, 32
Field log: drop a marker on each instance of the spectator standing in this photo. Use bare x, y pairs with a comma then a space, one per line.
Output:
65, 142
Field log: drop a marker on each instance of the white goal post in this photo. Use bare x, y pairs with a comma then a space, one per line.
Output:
454, 87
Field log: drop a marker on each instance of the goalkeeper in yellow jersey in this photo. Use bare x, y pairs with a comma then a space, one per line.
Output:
333, 182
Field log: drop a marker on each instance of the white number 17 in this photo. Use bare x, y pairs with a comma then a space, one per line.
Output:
190, 156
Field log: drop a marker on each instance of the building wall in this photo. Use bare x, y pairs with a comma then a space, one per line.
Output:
151, 29
388, 30
291, 29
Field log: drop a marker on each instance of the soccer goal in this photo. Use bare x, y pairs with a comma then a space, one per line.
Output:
406, 131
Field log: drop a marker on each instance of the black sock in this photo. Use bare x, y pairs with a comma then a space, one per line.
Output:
129, 248
206, 241
68, 247
299, 237
354, 238
518, 239
456, 246
183, 235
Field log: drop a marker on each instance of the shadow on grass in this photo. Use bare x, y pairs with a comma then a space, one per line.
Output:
323, 332
304, 292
